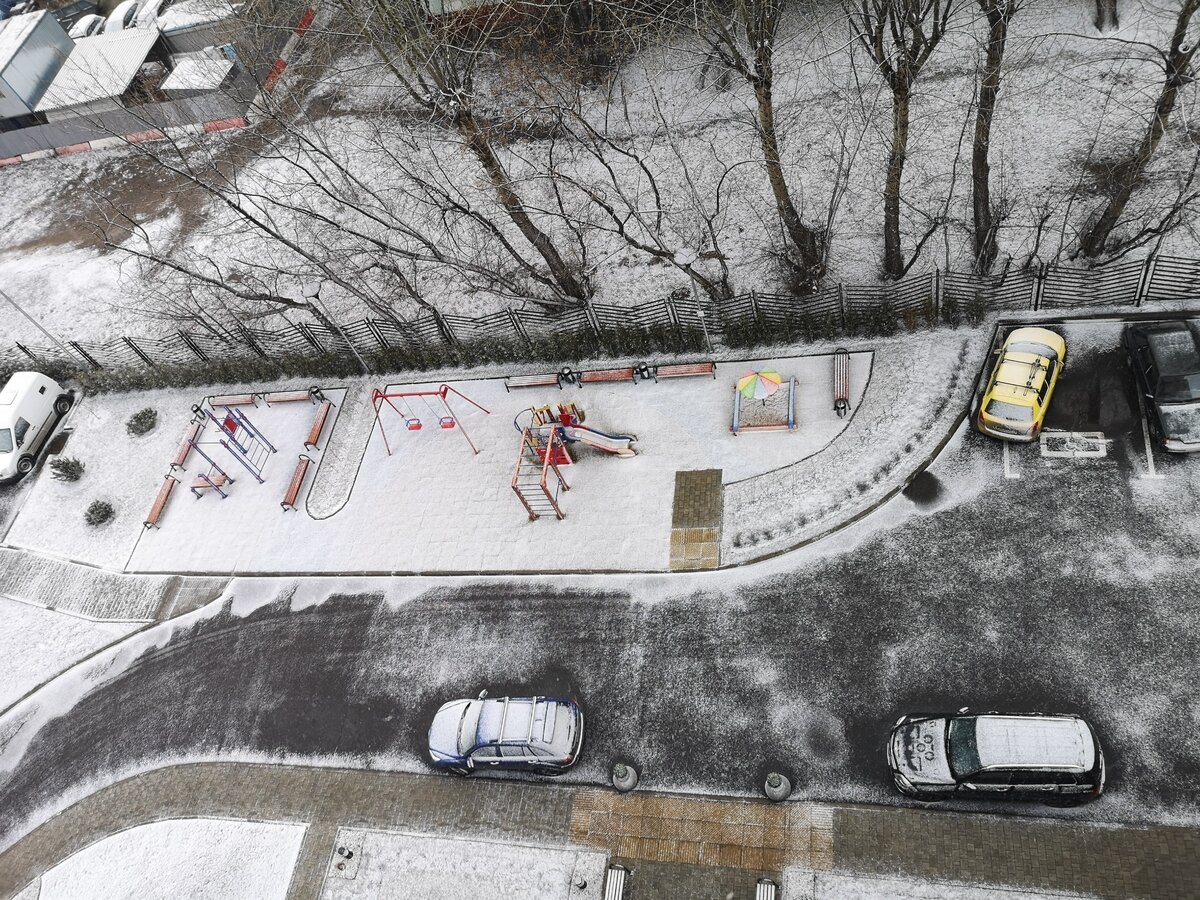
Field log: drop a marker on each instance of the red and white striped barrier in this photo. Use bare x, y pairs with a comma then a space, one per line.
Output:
137, 137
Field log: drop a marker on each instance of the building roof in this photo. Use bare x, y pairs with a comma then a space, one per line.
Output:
14, 31
98, 68
197, 74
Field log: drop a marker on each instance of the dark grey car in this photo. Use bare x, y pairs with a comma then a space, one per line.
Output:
1165, 358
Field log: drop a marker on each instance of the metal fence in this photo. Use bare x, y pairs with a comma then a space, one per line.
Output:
677, 322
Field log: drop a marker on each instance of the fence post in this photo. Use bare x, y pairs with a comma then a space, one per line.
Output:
74, 345
192, 345
842, 304
517, 327
28, 352
1145, 280
244, 333
377, 333
935, 295
306, 332
141, 354
593, 322
1039, 286
444, 329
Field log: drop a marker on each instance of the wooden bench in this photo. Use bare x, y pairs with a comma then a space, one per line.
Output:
160, 502
684, 370
312, 394
841, 382
595, 376
233, 400
521, 381
293, 491
185, 448
210, 483
614, 882
318, 425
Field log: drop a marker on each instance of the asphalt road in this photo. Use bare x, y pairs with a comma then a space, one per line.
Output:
1070, 587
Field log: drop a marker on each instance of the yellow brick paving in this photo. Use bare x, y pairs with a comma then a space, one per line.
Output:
757, 836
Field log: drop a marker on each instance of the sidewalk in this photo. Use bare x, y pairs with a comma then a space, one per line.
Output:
676, 847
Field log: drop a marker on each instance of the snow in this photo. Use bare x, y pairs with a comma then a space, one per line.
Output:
407, 511
802, 884
202, 859
398, 866
37, 644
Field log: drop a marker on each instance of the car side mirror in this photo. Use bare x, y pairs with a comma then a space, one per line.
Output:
482, 694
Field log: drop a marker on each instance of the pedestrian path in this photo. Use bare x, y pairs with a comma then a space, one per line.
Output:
99, 594
670, 843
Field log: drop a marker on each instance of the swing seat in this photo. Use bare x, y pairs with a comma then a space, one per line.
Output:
412, 424
447, 421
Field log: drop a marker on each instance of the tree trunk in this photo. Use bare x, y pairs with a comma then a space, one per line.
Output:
981, 190
1130, 173
804, 239
479, 144
1106, 15
893, 259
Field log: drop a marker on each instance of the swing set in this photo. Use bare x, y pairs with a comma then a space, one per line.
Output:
412, 421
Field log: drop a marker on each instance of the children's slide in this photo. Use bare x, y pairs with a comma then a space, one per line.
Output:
618, 444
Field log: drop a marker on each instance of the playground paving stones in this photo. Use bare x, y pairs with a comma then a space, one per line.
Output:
696, 520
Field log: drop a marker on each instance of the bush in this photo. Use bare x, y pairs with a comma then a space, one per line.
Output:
66, 468
142, 422
99, 512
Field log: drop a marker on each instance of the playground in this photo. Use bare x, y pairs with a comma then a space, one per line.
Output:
576, 473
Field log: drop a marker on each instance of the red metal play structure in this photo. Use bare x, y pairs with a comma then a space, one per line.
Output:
412, 421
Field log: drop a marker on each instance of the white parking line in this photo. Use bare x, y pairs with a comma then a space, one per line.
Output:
1150, 473
1008, 471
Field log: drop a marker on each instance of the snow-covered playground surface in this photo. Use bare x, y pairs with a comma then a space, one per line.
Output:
432, 505
201, 859
393, 866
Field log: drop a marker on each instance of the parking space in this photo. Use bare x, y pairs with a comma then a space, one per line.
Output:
1096, 419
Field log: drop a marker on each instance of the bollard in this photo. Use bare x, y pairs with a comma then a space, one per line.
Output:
777, 787
624, 778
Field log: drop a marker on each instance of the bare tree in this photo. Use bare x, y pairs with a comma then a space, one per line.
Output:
437, 60
743, 37
900, 36
1176, 62
997, 14
1106, 15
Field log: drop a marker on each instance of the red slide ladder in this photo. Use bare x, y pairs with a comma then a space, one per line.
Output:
537, 480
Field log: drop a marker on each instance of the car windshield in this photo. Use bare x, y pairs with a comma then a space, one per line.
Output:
1031, 347
1179, 389
468, 726
961, 747
1011, 412
5, 440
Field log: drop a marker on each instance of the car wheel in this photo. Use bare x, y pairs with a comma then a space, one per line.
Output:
62, 405
24, 465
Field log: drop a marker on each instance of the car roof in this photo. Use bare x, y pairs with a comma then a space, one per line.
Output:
1057, 742
18, 382
1174, 349
1019, 377
517, 719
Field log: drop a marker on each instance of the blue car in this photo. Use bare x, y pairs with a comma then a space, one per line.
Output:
525, 734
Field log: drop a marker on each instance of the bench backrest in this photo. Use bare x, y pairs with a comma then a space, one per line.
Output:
614, 882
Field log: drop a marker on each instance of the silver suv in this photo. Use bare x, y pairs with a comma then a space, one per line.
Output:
1020, 756
527, 734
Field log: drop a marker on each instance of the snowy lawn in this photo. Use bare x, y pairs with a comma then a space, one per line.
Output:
389, 866
36, 644
201, 859
432, 505
799, 884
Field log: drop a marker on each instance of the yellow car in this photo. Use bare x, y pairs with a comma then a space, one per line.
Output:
1018, 394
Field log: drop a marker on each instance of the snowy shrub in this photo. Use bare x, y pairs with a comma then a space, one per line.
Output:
99, 512
66, 468
142, 422
951, 312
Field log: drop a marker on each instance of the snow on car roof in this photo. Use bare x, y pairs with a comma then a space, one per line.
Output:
1174, 350
1036, 741
517, 719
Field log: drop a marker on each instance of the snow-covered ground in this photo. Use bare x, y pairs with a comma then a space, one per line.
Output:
1072, 102
201, 859
36, 644
391, 866
799, 884
432, 505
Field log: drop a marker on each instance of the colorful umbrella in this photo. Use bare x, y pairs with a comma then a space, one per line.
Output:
759, 385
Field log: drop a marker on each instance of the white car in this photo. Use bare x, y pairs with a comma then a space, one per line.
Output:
86, 27
30, 406
122, 17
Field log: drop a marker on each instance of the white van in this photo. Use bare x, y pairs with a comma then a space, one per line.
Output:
30, 406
